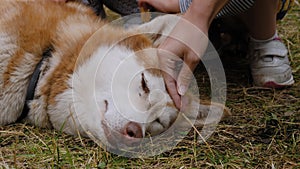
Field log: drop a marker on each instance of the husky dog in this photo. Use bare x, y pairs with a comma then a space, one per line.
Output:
51, 78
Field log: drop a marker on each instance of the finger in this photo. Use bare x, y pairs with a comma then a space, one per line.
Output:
184, 103
186, 73
168, 59
172, 89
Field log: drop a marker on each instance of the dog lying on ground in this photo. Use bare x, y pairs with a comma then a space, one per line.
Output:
50, 77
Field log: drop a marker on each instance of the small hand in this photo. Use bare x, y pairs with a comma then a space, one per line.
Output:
179, 55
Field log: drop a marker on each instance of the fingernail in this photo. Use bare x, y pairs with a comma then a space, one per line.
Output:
182, 90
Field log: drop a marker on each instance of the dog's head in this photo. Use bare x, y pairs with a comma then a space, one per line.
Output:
121, 93
125, 91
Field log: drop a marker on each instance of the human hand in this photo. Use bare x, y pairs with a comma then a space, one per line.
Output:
166, 6
179, 55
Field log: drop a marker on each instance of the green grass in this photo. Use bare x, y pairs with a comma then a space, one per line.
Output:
263, 132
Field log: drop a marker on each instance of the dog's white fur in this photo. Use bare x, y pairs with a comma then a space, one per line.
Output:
105, 86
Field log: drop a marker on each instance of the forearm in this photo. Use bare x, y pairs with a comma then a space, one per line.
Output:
202, 12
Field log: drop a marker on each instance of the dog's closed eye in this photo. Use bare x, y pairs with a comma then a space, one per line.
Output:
106, 105
144, 84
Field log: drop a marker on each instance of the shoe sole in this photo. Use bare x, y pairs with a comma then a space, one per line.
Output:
272, 84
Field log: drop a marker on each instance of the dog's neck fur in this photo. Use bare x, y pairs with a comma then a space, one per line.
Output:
33, 83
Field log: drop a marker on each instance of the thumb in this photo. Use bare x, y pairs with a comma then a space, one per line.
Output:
185, 75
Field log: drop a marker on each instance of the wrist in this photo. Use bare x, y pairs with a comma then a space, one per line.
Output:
202, 12
200, 22
170, 6
174, 5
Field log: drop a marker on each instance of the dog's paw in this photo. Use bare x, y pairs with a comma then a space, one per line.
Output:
162, 122
211, 113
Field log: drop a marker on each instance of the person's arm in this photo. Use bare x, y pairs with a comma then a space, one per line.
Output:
202, 12
188, 41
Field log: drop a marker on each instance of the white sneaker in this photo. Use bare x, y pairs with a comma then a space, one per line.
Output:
269, 63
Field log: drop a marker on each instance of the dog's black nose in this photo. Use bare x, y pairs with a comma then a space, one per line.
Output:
133, 130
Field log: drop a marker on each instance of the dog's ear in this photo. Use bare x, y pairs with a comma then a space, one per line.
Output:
158, 28
136, 42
